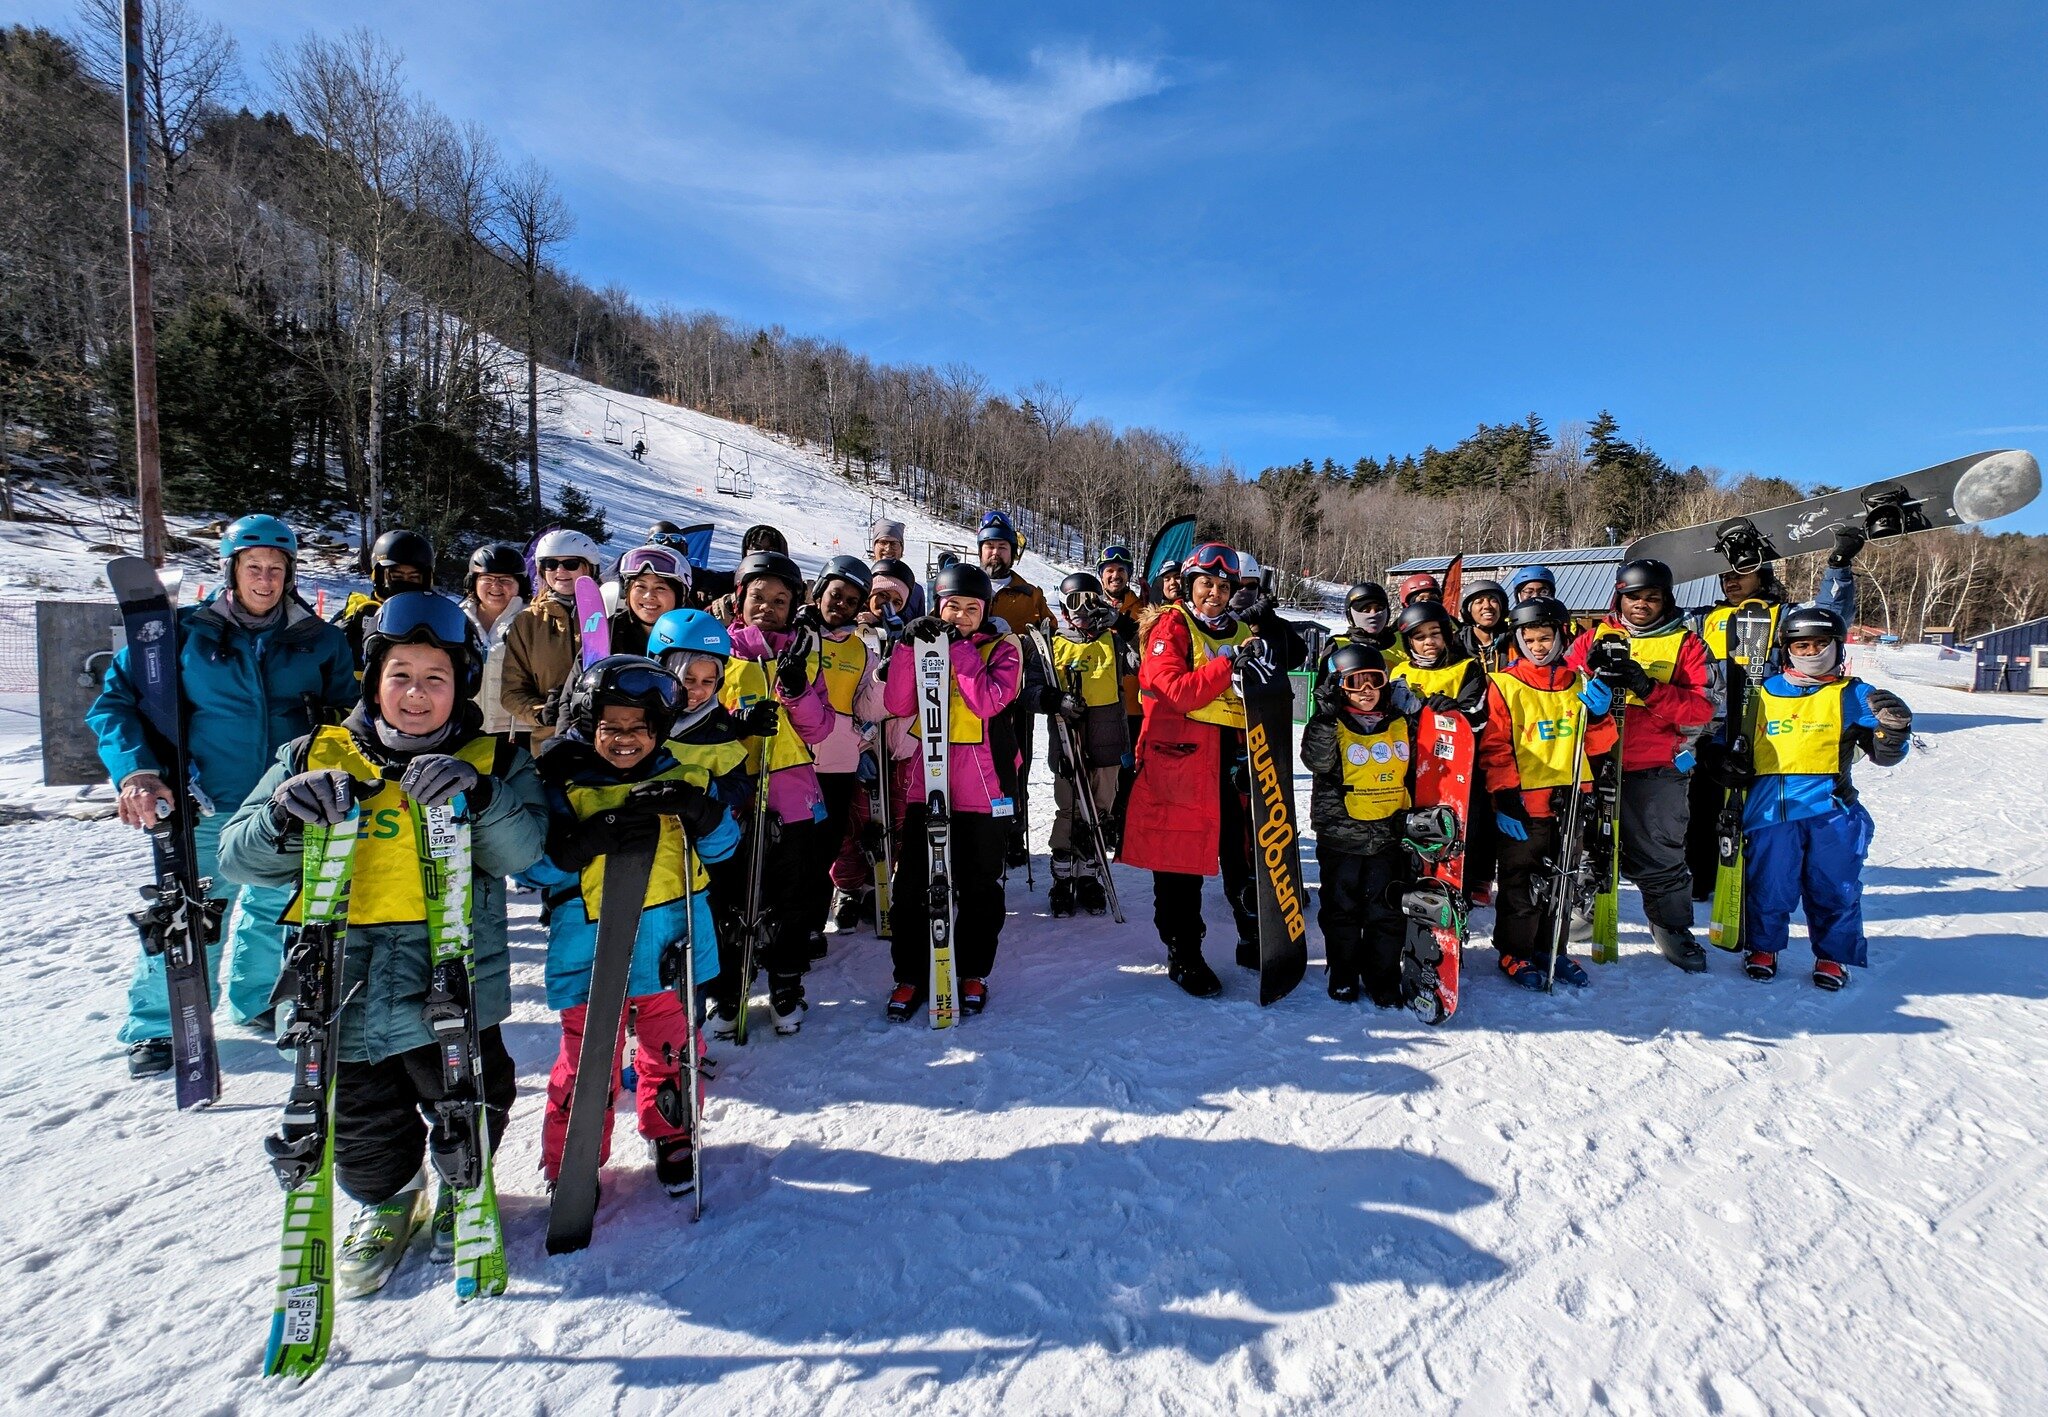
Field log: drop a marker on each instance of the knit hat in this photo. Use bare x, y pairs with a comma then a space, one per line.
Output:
885, 530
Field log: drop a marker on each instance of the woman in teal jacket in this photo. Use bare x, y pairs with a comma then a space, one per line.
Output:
256, 669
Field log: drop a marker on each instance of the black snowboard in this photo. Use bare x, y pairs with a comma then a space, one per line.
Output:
1276, 846
1978, 488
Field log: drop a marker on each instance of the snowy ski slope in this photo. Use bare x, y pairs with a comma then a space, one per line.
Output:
1664, 1194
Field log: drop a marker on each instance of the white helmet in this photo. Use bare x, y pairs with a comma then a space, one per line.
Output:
562, 543
1247, 566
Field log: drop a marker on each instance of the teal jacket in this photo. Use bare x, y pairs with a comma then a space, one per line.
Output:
246, 695
385, 968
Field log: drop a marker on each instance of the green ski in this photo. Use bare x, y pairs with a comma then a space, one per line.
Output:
1748, 651
302, 1150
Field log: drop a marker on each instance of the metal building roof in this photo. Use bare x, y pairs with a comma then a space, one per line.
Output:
1585, 574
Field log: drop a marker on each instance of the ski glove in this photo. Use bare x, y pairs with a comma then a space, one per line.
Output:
792, 670
1890, 711
1634, 678
1848, 541
928, 628
759, 721
620, 829
1072, 707
433, 779
1596, 696
698, 811
1328, 695
321, 798
1511, 814
1443, 703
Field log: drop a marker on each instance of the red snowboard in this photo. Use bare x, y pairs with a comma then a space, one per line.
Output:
1444, 752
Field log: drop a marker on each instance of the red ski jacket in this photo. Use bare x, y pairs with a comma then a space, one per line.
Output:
1174, 819
1653, 731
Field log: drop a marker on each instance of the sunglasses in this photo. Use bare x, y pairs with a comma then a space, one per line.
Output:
563, 563
1356, 679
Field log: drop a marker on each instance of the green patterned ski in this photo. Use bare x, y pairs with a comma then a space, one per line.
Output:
302, 1150
461, 1141
1747, 659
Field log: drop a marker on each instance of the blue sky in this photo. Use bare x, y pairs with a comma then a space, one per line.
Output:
1804, 240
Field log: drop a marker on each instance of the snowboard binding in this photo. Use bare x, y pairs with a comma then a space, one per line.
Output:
1890, 511
1745, 548
1432, 832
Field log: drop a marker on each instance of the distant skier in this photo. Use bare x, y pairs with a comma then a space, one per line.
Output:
1662, 665
639, 450
416, 737
1090, 664
1805, 831
257, 669
613, 783
982, 772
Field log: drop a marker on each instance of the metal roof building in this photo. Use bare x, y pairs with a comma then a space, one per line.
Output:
1585, 574
2014, 659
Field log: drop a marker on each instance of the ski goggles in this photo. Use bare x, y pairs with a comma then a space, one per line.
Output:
645, 684
662, 560
1353, 680
1117, 554
1082, 600
420, 615
1213, 559
562, 563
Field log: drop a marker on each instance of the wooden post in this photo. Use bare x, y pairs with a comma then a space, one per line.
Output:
149, 505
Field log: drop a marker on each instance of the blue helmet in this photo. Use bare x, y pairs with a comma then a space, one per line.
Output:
690, 632
1530, 575
258, 529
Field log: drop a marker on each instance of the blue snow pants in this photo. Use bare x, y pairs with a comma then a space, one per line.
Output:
1816, 862
252, 941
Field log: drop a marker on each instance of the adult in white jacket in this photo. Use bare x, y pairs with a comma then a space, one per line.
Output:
493, 593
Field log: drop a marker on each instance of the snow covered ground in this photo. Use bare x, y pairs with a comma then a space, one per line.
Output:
1663, 1194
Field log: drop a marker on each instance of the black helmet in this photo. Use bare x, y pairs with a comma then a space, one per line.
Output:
401, 548
963, 578
1540, 610
1351, 656
1811, 622
763, 537
497, 559
1472, 590
1367, 593
851, 569
1425, 612
756, 564
421, 617
664, 527
1644, 574
631, 679
1081, 583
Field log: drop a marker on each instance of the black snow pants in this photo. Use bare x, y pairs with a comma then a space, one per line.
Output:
1363, 928
382, 1111
1655, 807
975, 854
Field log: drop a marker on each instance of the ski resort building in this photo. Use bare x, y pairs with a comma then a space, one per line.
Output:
1585, 574
2012, 660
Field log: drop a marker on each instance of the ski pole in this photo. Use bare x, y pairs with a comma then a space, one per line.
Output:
689, 982
1568, 830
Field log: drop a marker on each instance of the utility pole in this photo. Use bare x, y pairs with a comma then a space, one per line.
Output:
149, 500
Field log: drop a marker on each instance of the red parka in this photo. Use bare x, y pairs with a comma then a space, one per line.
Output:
1654, 730
1173, 818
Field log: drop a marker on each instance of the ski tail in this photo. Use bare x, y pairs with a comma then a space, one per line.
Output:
593, 624
1606, 945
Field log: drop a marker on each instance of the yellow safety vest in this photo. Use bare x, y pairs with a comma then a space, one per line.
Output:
842, 662
1543, 722
1714, 629
1375, 770
962, 724
747, 682
1800, 734
1445, 679
1658, 654
665, 884
702, 762
1097, 662
387, 887
1226, 710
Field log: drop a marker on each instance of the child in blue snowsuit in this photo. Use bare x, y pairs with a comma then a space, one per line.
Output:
1805, 832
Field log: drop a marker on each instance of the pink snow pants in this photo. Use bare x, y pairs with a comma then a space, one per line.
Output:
660, 1034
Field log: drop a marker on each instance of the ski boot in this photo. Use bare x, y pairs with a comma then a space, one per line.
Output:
675, 1164
1760, 965
1571, 971
904, 1002
442, 1231
973, 996
1681, 949
1829, 976
1062, 897
786, 1000
1094, 900
377, 1241
1186, 967
149, 1058
1525, 972
847, 909
725, 1019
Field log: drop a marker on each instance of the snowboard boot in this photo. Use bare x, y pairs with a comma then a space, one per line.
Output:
1062, 898
1387, 993
442, 1231
1572, 972
904, 1002
1093, 898
1344, 988
786, 1000
1829, 976
1760, 965
377, 1241
675, 1164
1681, 949
973, 996
1525, 972
149, 1058
1186, 967
1247, 953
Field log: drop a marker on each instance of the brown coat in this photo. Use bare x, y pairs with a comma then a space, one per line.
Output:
540, 653
1020, 605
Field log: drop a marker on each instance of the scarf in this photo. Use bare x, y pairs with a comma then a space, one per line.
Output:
246, 620
408, 743
1810, 669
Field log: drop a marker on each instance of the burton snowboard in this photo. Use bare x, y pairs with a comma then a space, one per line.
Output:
1275, 843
